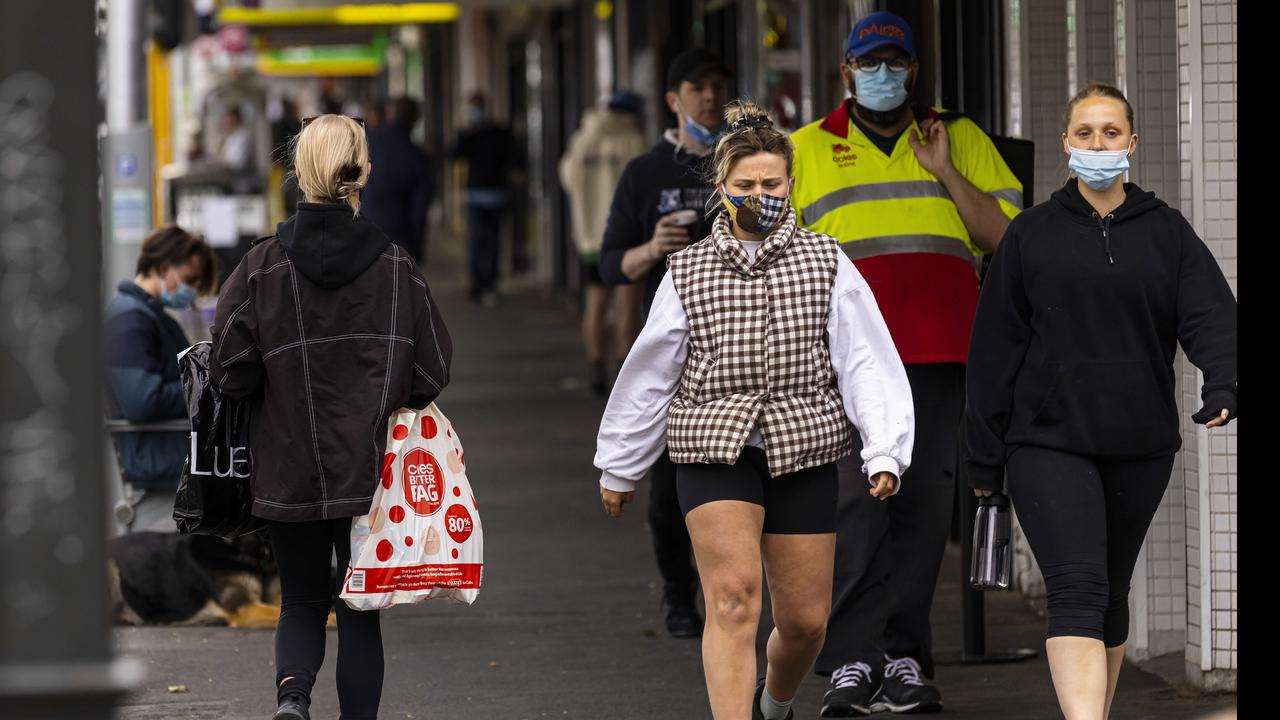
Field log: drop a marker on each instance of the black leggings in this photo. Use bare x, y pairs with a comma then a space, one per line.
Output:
303, 551
1085, 519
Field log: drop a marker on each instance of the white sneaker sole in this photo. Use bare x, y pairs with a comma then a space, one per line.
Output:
883, 705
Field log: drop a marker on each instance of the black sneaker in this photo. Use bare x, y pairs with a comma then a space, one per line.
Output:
904, 691
854, 685
683, 620
292, 708
756, 712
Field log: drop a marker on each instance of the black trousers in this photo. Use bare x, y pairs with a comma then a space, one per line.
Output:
484, 233
308, 592
671, 544
888, 554
1085, 519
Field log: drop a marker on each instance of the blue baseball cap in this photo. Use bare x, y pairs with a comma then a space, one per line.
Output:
626, 100
879, 29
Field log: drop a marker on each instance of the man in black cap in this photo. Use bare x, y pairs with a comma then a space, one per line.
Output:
659, 207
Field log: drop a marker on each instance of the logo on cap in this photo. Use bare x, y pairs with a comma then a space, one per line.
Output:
892, 31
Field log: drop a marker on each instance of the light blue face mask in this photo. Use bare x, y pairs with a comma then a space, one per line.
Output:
1099, 169
882, 90
180, 299
701, 134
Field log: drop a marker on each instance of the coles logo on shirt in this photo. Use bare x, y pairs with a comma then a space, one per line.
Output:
842, 155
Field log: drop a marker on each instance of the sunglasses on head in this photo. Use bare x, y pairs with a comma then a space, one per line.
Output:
307, 120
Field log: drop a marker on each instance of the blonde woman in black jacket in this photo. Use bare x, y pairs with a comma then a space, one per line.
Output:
1071, 384
330, 328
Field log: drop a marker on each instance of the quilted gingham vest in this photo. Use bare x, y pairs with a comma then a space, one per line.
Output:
758, 351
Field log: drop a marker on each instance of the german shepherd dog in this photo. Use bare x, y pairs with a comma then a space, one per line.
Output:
193, 580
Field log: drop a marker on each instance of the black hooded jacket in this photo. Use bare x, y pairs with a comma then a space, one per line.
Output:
1077, 328
329, 328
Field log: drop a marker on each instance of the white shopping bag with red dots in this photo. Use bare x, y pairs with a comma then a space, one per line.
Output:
421, 539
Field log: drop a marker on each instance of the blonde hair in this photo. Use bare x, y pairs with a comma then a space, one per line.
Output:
331, 160
751, 131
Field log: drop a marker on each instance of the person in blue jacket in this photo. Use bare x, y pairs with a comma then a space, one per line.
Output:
143, 343
398, 194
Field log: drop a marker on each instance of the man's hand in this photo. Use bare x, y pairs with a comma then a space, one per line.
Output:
614, 501
983, 493
668, 237
885, 484
934, 154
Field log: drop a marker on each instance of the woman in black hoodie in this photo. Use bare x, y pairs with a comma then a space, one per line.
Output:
1071, 384
330, 328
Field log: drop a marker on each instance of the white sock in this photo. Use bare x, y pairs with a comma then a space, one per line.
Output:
773, 709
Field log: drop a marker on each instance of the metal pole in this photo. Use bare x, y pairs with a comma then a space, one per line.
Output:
750, 76
126, 148
972, 602
55, 651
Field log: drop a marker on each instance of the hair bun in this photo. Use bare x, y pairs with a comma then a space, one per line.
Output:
751, 121
740, 114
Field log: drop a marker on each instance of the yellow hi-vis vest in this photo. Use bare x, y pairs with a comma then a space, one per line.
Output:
899, 225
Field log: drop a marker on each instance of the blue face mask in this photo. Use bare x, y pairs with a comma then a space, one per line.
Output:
179, 299
1099, 169
700, 133
882, 90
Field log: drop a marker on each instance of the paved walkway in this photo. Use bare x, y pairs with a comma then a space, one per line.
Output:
567, 625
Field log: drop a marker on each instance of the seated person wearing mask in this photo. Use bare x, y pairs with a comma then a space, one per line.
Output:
143, 342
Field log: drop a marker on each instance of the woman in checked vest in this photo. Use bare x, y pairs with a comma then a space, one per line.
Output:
764, 352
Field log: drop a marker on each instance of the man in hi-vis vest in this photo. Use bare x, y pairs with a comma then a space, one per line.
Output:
915, 201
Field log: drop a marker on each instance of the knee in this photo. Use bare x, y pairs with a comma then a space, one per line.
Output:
1115, 626
808, 625
1079, 599
733, 602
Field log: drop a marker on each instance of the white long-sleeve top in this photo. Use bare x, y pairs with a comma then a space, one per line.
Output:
869, 374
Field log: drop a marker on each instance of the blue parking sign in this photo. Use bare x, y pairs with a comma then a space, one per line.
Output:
126, 165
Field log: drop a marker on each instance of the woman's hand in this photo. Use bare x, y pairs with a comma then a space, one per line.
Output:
885, 484
614, 501
1220, 420
983, 493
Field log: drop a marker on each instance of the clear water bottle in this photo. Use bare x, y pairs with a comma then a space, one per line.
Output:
992, 554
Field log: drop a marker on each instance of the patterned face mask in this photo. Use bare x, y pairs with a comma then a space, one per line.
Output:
758, 213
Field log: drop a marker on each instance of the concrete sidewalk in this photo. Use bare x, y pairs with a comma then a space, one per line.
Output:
567, 624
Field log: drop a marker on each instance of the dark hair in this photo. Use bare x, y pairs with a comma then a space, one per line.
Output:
170, 245
403, 111
750, 131
1101, 90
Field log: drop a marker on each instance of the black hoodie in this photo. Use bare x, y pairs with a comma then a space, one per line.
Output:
330, 328
660, 182
1077, 328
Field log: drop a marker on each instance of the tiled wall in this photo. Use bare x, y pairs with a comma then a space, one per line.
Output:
1096, 29
1045, 35
1152, 89
1207, 142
